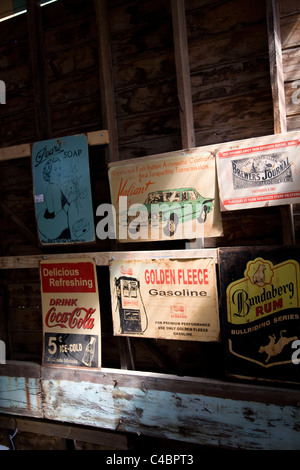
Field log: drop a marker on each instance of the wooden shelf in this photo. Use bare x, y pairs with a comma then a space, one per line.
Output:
195, 410
24, 150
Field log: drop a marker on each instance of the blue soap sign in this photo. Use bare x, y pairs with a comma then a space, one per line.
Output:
62, 191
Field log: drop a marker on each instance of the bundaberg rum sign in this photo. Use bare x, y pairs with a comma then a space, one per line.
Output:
261, 315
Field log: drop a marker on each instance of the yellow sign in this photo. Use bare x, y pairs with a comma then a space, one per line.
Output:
264, 290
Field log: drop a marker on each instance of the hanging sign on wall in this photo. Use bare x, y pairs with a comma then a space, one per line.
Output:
168, 196
165, 298
260, 295
62, 191
71, 313
259, 172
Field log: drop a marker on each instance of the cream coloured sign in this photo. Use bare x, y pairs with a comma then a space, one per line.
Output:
165, 298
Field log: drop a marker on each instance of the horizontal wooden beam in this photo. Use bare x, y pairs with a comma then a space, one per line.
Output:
103, 258
66, 431
187, 409
24, 150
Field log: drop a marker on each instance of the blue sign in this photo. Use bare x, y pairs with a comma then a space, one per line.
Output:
62, 191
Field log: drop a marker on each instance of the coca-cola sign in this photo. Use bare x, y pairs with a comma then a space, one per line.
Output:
71, 313
79, 318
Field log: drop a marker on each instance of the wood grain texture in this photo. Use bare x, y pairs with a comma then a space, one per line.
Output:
202, 411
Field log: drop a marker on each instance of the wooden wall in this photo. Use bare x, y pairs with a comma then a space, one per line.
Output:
290, 39
231, 98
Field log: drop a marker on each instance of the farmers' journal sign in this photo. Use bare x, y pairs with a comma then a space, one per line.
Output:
165, 298
71, 313
260, 172
260, 312
62, 191
167, 196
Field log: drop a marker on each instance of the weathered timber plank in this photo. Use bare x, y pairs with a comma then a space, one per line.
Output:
290, 31
106, 78
220, 18
142, 70
20, 389
65, 431
151, 125
170, 383
173, 415
290, 60
197, 410
38, 67
150, 146
102, 258
66, 64
24, 150
278, 94
155, 96
276, 67
293, 122
289, 7
227, 48
13, 130
183, 73
233, 79
73, 33
20, 396
68, 90
253, 108
144, 27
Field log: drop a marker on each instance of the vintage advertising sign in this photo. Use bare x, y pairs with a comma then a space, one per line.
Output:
260, 293
259, 172
165, 298
71, 313
172, 195
62, 191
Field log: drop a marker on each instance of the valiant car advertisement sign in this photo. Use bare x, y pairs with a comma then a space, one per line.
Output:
260, 172
71, 313
62, 191
171, 195
165, 298
261, 316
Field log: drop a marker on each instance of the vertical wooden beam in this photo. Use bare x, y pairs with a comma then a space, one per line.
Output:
106, 79
39, 71
3, 310
181, 51
276, 66
279, 110
110, 123
183, 73
127, 361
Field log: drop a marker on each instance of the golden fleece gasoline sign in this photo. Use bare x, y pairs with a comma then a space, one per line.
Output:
165, 298
260, 314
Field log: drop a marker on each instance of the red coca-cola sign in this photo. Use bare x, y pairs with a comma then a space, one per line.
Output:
79, 318
71, 313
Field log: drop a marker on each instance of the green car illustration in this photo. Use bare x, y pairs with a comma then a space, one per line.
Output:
174, 206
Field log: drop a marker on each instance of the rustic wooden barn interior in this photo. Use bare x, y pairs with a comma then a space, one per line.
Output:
139, 78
